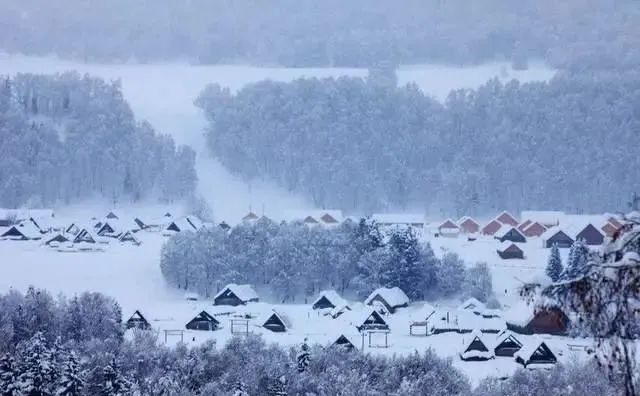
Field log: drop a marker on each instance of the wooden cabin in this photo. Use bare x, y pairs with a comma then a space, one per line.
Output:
591, 235
328, 299
475, 349
275, 323
543, 321
511, 234
344, 342
507, 218
448, 229
468, 225
204, 322
235, 295
507, 345
536, 354
372, 320
391, 298
555, 236
509, 250
137, 321
491, 228
534, 230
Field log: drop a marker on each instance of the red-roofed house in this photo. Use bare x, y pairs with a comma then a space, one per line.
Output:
523, 226
491, 228
468, 225
507, 218
448, 228
609, 229
534, 229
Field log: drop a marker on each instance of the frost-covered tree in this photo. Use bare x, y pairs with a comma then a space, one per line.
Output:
36, 370
71, 380
450, 275
114, 382
554, 265
8, 376
577, 261
303, 357
478, 282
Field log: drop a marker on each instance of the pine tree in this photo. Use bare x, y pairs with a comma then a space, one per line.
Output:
554, 265
36, 369
71, 381
239, 389
577, 261
113, 382
303, 357
8, 385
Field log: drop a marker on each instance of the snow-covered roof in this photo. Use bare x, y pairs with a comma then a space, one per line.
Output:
332, 296
120, 225
394, 296
551, 232
243, 292
469, 351
520, 314
398, 218
187, 223
320, 215
544, 217
505, 229
506, 245
448, 224
472, 304
529, 348
575, 224
27, 229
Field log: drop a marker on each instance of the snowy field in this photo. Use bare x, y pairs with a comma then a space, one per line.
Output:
163, 94
131, 274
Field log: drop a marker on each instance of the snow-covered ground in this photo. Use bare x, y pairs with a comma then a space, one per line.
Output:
132, 275
163, 94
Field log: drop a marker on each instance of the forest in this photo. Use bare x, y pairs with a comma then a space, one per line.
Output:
365, 145
78, 347
292, 262
67, 137
572, 34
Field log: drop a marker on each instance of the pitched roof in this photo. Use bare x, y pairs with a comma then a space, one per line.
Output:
523, 226
129, 236
507, 218
535, 345
243, 292
448, 223
553, 231
250, 216
545, 217
472, 304
332, 296
508, 245
504, 230
394, 296
492, 227
475, 347
27, 229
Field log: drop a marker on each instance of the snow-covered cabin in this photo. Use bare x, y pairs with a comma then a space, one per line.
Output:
72, 229
85, 235
468, 225
556, 236
275, 322
235, 295
345, 342
9, 217
56, 240
523, 319
475, 348
547, 218
114, 228
511, 234
507, 218
369, 319
448, 229
399, 220
310, 221
24, 231
339, 310
509, 250
507, 344
391, 298
114, 215
473, 305
129, 237
536, 354
137, 321
203, 321
187, 223
492, 227
328, 299
330, 219
524, 224
534, 230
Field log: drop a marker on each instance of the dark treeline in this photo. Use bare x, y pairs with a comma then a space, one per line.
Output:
47, 358
367, 145
66, 137
571, 33
291, 261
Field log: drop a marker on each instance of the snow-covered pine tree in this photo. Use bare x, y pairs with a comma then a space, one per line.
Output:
577, 261
303, 357
277, 387
36, 370
71, 381
8, 386
239, 389
113, 381
554, 265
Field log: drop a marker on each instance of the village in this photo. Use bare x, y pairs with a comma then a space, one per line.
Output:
517, 334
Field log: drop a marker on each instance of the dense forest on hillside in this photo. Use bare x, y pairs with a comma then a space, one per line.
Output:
293, 262
66, 137
571, 33
77, 347
365, 144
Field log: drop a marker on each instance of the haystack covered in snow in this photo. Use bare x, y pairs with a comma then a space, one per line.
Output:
203, 321
391, 298
24, 231
137, 321
235, 295
536, 354
507, 344
368, 320
475, 348
328, 299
